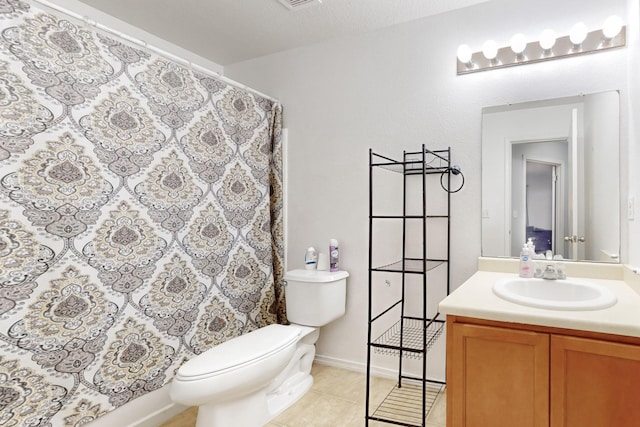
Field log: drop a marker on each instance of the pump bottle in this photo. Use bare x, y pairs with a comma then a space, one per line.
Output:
526, 262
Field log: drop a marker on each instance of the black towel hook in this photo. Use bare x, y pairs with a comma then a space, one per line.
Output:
455, 170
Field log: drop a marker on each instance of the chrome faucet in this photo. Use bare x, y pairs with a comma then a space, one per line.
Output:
550, 272
547, 266
554, 271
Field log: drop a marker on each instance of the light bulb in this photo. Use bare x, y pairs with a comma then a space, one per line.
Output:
490, 50
578, 33
547, 39
464, 54
518, 43
612, 26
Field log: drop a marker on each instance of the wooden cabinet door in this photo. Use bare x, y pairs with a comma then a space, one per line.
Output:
497, 377
594, 383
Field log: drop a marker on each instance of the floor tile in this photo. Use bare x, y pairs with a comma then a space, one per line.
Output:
183, 419
337, 399
438, 414
321, 410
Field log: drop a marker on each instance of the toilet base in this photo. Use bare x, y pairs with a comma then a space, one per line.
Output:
235, 412
278, 402
261, 406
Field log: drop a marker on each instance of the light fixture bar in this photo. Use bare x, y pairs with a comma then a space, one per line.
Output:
595, 41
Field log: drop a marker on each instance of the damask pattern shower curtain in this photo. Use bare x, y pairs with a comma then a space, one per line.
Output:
140, 218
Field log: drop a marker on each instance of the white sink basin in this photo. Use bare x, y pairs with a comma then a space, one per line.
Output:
568, 294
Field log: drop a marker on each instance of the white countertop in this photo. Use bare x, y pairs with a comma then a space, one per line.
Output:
475, 298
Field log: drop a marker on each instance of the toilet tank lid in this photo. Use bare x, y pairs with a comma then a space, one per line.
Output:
240, 350
315, 275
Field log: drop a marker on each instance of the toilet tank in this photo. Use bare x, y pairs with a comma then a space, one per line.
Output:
315, 297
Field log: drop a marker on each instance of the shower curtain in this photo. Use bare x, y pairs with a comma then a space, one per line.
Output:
140, 218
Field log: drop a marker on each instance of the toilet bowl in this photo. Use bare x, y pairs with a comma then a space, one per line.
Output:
250, 379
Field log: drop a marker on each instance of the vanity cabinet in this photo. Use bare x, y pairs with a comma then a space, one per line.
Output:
503, 374
594, 382
497, 377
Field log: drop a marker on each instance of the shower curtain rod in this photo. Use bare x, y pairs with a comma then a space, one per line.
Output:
146, 46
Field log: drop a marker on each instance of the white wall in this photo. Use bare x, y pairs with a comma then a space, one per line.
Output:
630, 184
95, 15
397, 88
600, 121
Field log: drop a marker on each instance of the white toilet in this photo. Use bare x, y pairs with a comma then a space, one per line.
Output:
250, 379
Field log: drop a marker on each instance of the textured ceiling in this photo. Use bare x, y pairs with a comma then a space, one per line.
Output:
230, 31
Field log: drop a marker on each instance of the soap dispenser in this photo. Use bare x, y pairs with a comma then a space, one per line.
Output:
531, 246
526, 262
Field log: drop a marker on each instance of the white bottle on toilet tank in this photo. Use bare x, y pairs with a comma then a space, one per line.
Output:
310, 259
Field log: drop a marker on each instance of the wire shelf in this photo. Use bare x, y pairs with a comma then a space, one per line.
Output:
434, 162
403, 405
410, 266
412, 338
412, 168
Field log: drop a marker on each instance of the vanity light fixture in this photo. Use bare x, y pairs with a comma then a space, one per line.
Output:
490, 50
520, 51
547, 40
612, 27
518, 45
578, 34
464, 55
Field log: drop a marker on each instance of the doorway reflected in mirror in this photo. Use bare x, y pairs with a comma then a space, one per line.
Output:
550, 172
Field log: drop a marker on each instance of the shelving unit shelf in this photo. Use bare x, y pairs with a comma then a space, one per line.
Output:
408, 335
410, 266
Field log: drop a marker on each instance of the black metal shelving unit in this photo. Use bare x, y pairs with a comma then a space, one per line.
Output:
408, 335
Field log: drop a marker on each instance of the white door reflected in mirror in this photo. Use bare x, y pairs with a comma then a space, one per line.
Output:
560, 156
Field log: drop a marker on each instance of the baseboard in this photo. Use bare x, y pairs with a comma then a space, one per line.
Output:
150, 410
160, 416
350, 365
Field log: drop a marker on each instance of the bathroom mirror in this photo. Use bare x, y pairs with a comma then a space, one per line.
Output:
551, 173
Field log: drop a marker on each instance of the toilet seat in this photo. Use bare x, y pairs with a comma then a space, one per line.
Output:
239, 352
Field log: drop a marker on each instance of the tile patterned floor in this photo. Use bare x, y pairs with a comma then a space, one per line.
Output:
337, 399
